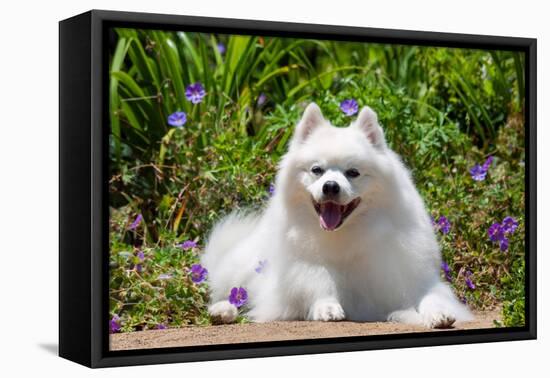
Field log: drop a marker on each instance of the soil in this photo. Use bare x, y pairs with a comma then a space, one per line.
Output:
276, 331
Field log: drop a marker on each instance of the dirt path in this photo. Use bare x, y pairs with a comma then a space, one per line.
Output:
275, 331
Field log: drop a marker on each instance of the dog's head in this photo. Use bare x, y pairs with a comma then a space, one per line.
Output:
334, 169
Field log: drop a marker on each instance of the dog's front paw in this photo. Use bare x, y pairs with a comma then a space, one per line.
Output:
223, 312
327, 311
439, 320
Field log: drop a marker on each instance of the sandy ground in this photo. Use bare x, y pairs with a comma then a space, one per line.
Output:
275, 331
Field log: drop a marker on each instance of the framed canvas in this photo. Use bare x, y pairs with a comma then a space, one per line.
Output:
235, 188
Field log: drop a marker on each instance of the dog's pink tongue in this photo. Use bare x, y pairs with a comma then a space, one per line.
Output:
330, 216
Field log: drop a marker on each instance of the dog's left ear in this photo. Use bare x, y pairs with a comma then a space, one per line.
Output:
367, 122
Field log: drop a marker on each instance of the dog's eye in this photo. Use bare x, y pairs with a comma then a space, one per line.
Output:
352, 172
316, 170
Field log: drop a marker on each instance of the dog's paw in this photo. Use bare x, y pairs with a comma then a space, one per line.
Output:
223, 312
407, 316
327, 311
439, 320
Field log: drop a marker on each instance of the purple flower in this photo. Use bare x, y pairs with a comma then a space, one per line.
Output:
447, 271
478, 173
467, 278
140, 256
195, 93
221, 48
238, 297
503, 244
261, 266
114, 324
161, 326
496, 232
349, 107
177, 119
188, 244
139, 268
509, 225
136, 222
443, 224
271, 189
198, 273
487, 163
164, 276
262, 98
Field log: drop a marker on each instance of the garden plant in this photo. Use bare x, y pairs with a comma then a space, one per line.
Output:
198, 123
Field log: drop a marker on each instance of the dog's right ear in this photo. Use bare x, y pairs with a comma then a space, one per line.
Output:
367, 122
311, 119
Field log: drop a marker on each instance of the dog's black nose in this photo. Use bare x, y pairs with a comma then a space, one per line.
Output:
331, 188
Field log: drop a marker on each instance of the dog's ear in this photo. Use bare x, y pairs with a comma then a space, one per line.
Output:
311, 119
367, 122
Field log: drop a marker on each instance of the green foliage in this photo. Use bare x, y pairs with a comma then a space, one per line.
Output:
514, 297
443, 110
156, 289
472, 207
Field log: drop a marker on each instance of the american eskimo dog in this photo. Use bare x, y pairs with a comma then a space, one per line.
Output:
345, 236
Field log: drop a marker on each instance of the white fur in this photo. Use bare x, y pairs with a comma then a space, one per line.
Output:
223, 312
381, 264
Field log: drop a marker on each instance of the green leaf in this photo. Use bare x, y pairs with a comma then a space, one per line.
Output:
114, 100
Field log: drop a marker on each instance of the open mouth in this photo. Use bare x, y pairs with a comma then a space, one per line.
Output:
332, 214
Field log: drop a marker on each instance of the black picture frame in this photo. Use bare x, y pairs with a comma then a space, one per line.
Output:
83, 204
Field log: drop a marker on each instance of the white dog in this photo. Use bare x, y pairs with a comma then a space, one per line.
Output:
345, 236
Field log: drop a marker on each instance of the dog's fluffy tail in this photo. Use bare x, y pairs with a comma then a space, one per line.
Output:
227, 233
217, 257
